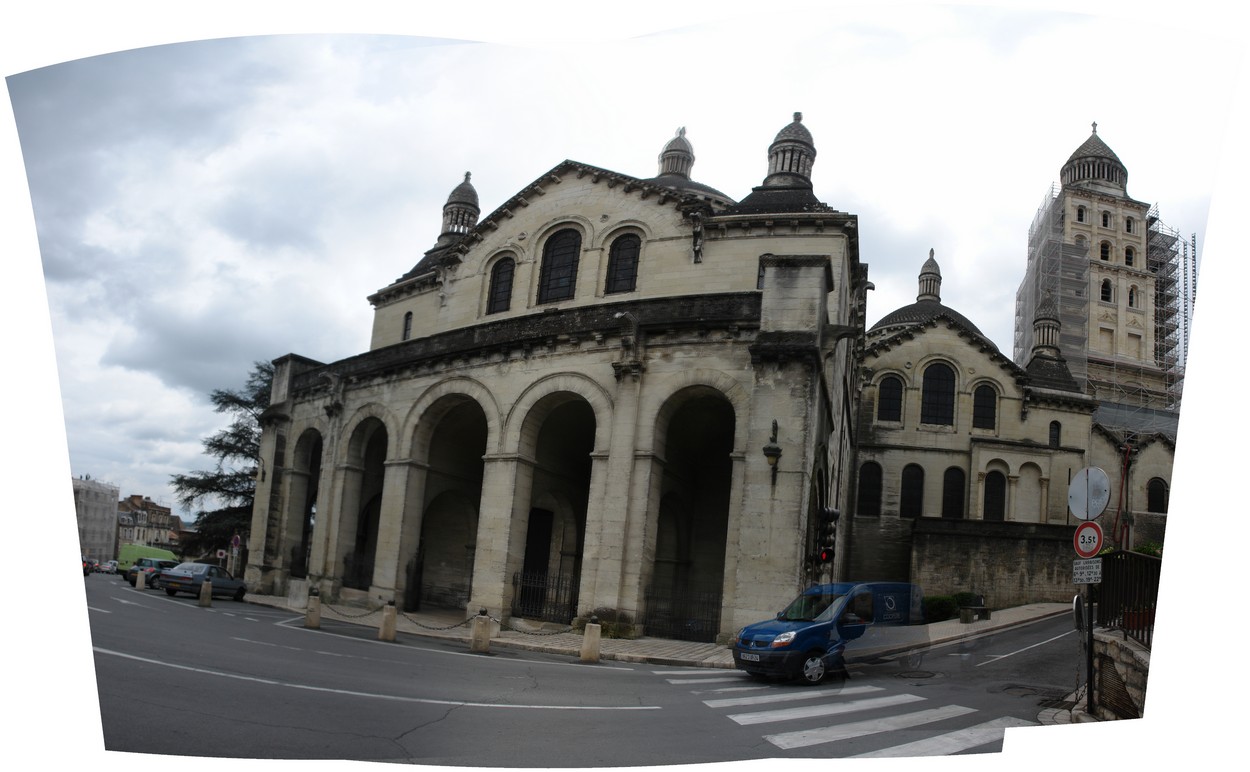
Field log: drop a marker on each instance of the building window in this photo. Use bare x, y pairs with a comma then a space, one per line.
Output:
1055, 428
890, 399
984, 407
1128, 256
1104, 250
1132, 297
937, 397
1157, 496
995, 496
1080, 214
911, 496
953, 493
501, 286
1128, 224
869, 503
558, 277
407, 326
1106, 219
623, 264
1105, 295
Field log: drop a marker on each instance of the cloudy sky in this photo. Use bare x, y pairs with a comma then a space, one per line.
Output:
194, 194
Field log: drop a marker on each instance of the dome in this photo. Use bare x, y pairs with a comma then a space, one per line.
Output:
676, 161
795, 132
464, 193
928, 305
1094, 165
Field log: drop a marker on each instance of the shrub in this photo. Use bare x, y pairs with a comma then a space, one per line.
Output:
967, 599
612, 623
938, 608
1153, 549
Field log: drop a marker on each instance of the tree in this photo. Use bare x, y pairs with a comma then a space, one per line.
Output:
224, 495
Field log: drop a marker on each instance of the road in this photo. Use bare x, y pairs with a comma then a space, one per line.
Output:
245, 681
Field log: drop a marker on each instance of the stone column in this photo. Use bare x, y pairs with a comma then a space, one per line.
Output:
507, 482
396, 479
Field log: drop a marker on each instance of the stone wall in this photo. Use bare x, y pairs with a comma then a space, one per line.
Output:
1011, 564
1121, 667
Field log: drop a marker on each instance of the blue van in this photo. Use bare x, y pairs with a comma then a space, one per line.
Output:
810, 638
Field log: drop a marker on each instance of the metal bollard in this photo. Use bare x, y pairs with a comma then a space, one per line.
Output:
480, 640
386, 631
312, 617
206, 593
590, 640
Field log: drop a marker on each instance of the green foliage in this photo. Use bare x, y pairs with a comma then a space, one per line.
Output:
967, 599
938, 608
224, 494
1153, 549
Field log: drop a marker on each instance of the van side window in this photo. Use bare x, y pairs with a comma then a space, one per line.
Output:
859, 610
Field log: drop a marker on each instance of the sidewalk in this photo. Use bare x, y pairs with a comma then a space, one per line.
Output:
556, 639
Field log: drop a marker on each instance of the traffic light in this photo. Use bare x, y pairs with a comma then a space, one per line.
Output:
827, 534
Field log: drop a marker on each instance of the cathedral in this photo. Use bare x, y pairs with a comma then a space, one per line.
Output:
638, 395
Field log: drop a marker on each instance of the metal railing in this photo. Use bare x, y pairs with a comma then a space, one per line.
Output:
684, 615
1128, 594
545, 597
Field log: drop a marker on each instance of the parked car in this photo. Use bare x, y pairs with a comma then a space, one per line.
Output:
109, 567
86, 566
188, 577
151, 568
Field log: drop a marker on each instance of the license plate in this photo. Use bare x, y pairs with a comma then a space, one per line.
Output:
749, 657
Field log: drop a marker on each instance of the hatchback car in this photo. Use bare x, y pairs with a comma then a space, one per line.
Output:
188, 577
151, 569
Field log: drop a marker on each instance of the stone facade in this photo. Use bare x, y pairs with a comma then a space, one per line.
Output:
572, 395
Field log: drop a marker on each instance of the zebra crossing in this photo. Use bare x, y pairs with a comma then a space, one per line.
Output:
749, 703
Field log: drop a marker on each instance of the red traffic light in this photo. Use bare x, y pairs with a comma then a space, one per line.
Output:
825, 555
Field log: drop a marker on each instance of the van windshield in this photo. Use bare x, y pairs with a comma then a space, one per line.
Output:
811, 608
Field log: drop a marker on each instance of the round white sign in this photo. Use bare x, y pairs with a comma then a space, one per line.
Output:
1089, 493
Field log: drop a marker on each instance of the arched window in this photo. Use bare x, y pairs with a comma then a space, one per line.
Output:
1104, 250
501, 286
1128, 224
1132, 297
911, 496
407, 326
984, 407
1157, 496
1129, 254
1106, 295
1106, 219
1080, 214
953, 493
995, 496
937, 396
1055, 429
890, 399
623, 264
558, 277
869, 503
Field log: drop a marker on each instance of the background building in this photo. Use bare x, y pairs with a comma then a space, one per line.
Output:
612, 392
95, 504
143, 521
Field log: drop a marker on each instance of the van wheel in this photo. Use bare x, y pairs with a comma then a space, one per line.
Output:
813, 670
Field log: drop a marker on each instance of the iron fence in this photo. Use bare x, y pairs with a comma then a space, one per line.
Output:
684, 615
545, 597
1128, 594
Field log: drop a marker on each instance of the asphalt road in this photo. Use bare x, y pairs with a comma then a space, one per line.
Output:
243, 681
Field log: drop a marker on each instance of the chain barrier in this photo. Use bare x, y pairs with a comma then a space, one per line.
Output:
431, 627
338, 613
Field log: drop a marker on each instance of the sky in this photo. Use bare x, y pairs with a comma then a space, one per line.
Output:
191, 194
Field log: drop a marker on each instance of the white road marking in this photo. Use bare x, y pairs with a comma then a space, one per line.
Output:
997, 657
805, 694
951, 742
369, 695
830, 734
831, 709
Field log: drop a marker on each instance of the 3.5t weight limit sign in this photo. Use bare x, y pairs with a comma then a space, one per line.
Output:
1087, 539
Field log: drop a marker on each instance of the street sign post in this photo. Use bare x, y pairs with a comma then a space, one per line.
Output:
1088, 496
1087, 571
1089, 493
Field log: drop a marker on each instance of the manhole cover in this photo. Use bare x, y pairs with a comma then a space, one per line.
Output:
909, 674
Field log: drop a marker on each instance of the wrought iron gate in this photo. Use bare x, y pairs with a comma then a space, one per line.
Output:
545, 597
684, 615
